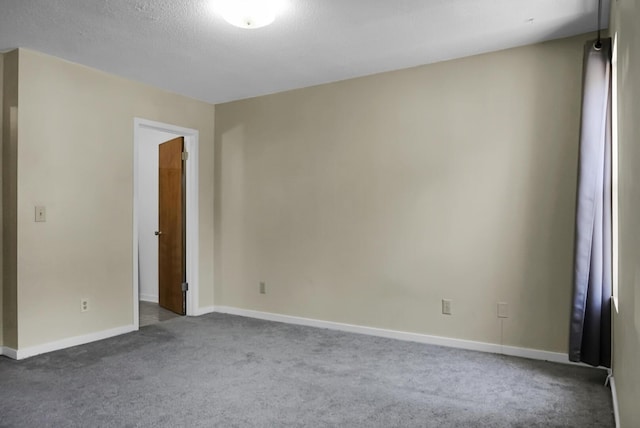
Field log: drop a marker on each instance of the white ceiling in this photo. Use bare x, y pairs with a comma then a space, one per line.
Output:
184, 47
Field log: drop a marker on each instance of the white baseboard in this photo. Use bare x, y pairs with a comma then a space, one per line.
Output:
371, 331
535, 354
8, 352
32, 351
203, 311
153, 298
614, 398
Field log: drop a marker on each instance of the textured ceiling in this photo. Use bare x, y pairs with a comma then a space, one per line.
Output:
184, 47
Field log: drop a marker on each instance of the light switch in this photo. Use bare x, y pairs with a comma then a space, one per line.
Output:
41, 214
503, 310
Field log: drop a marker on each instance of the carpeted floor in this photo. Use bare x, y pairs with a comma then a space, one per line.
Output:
228, 371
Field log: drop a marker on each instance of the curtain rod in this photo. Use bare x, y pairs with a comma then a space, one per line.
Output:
598, 44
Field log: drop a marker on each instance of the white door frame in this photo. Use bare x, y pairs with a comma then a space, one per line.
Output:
191, 146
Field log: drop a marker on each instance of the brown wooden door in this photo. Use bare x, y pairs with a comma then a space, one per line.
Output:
171, 245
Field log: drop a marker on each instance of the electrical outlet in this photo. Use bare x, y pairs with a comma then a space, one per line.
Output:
446, 307
263, 288
84, 305
503, 310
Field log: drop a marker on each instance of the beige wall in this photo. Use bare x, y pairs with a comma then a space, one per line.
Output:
626, 343
368, 201
9, 200
76, 158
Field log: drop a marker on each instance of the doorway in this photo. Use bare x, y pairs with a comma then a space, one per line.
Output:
148, 138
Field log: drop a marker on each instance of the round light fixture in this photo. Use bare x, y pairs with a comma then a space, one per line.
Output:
249, 14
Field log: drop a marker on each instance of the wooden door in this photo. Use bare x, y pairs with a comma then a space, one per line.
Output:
171, 221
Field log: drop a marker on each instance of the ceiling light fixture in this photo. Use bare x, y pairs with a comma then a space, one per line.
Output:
249, 14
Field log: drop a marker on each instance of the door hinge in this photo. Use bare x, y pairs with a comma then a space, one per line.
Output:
185, 156
185, 286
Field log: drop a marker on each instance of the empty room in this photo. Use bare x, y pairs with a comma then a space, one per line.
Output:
320, 213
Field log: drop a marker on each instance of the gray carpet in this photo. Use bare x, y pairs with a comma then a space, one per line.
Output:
228, 371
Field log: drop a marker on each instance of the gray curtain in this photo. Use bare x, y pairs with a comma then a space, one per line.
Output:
590, 334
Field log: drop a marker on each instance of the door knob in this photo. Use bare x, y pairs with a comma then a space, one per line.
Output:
157, 233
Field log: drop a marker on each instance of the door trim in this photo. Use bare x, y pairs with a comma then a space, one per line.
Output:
191, 146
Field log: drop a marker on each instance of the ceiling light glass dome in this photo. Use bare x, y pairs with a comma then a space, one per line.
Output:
249, 14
